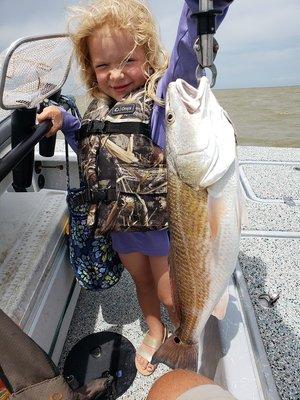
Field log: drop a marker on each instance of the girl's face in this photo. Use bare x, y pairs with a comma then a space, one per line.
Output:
118, 69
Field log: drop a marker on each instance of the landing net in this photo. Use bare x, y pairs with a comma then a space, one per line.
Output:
37, 68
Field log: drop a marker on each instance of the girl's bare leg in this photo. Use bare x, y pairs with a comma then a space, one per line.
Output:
161, 276
139, 268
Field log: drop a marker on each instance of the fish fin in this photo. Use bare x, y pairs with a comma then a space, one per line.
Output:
243, 213
220, 309
176, 354
241, 202
215, 212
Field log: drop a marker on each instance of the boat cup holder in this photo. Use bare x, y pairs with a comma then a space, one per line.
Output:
267, 300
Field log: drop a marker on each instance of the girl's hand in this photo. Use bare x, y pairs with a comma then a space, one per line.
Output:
55, 115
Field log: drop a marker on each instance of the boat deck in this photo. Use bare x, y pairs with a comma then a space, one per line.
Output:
269, 260
269, 257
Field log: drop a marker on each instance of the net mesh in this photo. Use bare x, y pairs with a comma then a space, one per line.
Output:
36, 69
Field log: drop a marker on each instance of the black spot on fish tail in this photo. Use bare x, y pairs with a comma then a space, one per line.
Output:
176, 354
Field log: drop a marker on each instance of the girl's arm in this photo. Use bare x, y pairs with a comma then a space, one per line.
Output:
183, 61
70, 126
61, 120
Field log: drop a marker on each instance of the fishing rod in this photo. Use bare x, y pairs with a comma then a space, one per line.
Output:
205, 45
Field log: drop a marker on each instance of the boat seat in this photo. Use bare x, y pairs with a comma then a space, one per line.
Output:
36, 278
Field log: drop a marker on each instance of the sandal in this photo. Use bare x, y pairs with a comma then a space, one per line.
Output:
153, 344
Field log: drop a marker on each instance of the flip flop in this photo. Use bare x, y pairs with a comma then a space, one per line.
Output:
154, 345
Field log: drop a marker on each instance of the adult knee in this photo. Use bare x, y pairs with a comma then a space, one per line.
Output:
179, 380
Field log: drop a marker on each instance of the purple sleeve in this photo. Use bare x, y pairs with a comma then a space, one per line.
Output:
69, 128
183, 62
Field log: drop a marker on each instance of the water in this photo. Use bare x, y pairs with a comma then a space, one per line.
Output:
264, 116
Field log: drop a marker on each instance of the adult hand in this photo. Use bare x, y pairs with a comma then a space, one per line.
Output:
55, 115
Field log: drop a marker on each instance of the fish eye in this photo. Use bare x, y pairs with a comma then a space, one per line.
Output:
170, 117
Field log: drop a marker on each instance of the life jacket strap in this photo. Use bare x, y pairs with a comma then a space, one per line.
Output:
94, 196
107, 127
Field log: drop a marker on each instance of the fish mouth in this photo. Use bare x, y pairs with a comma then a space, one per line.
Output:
188, 153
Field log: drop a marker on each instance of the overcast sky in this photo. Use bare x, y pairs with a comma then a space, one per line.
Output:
259, 40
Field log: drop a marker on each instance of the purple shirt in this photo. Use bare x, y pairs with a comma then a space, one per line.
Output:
183, 63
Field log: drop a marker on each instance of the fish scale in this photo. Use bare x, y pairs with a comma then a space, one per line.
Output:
188, 229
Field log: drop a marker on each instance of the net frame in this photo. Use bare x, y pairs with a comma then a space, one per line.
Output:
34, 98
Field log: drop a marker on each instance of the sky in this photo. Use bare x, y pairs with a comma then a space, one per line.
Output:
259, 40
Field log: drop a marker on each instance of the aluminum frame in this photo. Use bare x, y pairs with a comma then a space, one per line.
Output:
7, 58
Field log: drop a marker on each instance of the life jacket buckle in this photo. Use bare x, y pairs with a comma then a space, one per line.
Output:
89, 126
98, 126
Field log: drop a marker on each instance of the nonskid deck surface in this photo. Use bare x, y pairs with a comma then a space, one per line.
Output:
269, 266
268, 258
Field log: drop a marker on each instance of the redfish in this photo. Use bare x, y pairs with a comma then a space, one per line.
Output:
204, 205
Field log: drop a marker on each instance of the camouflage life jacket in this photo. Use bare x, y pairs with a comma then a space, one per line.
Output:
124, 172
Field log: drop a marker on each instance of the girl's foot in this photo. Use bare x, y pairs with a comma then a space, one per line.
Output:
145, 352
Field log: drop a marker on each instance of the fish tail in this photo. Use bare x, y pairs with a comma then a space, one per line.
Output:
176, 354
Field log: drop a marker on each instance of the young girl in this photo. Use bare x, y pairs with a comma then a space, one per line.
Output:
119, 52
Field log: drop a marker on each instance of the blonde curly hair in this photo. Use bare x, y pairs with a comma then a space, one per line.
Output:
131, 15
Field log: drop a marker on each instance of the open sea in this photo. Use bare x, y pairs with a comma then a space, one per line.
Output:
264, 116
